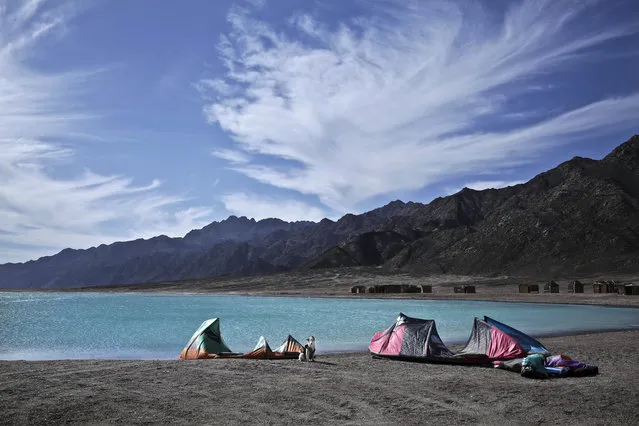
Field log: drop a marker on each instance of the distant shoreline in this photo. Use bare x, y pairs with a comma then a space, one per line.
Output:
588, 299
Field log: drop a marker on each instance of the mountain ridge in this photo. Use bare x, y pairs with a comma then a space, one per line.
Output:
581, 215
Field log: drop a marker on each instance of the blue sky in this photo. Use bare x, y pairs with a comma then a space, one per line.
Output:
129, 119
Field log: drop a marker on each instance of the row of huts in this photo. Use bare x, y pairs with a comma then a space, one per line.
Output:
576, 286
406, 288
628, 289
392, 288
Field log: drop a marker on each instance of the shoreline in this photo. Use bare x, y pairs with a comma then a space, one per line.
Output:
589, 299
337, 282
354, 351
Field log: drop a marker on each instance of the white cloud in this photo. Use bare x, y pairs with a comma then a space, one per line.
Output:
40, 213
393, 103
234, 157
262, 207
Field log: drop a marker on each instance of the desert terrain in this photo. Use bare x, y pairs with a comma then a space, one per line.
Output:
337, 282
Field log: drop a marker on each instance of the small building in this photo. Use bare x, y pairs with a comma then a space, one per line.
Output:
358, 289
551, 287
576, 287
464, 289
629, 289
427, 288
528, 288
394, 288
604, 287
391, 288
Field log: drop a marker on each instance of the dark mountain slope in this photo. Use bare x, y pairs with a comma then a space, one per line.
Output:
582, 216
367, 249
148, 260
234, 246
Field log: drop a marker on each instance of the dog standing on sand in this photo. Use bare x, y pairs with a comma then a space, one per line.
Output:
309, 350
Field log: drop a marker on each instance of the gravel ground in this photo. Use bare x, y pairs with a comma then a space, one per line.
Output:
337, 389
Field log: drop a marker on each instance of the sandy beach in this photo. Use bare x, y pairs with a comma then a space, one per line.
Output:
337, 389
345, 388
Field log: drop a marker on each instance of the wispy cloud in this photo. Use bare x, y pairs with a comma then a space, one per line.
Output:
39, 212
263, 207
402, 100
234, 157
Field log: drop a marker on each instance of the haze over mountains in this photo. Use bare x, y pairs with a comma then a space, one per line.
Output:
580, 217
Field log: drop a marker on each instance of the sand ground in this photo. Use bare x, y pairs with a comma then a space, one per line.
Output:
337, 389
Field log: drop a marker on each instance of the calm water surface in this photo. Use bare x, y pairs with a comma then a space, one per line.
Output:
38, 326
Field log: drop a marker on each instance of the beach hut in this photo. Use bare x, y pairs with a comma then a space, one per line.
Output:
551, 287
528, 288
576, 287
630, 289
427, 288
464, 289
604, 287
358, 289
411, 288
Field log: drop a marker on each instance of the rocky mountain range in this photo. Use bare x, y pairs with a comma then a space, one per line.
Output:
580, 217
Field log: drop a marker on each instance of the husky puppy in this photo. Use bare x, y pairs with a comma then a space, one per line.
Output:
309, 350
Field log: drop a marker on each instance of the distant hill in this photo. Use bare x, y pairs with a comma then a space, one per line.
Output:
580, 217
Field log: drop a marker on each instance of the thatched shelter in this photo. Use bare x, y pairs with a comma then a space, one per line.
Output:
629, 289
576, 287
551, 287
529, 288
604, 287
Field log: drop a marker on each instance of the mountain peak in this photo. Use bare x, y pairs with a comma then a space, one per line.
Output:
627, 153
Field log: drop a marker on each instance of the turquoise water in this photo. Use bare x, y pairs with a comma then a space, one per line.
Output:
38, 326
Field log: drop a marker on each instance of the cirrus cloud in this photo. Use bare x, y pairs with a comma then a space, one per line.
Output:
41, 212
416, 95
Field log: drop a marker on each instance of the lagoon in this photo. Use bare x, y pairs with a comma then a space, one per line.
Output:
44, 326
